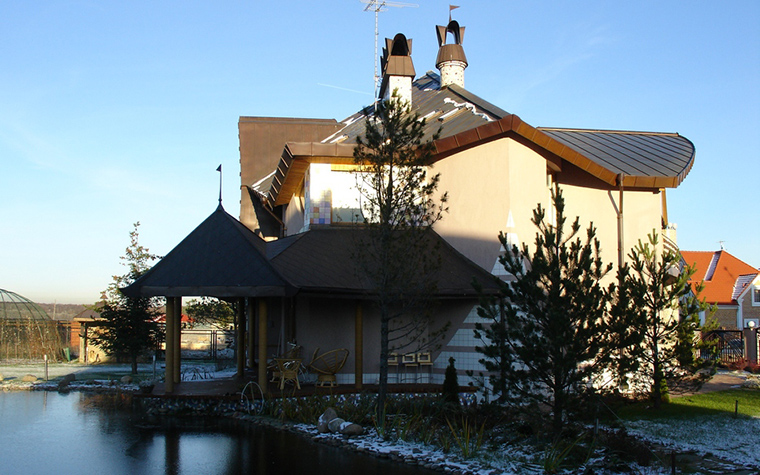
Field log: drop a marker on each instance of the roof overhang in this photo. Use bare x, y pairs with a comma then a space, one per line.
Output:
512, 126
297, 156
216, 291
295, 160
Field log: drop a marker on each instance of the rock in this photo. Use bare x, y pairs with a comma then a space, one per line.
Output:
146, 387
126, 379
325, 419
349, 428
334, 425
29, 378
751, 384
66, 380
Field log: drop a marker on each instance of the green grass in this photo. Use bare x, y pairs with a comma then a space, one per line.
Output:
706, 404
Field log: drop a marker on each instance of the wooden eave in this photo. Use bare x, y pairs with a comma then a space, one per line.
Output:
295, 160
297, 156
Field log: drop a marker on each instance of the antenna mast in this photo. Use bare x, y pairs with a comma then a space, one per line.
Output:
378, 6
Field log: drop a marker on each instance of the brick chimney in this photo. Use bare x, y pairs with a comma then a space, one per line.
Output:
451, 60
397, 67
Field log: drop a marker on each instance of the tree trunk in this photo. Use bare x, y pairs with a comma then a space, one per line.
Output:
557, 410
133, 357
383, 383
657, 379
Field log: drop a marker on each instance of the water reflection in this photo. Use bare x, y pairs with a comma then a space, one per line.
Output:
43, 433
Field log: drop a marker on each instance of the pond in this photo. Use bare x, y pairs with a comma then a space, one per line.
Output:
46, 432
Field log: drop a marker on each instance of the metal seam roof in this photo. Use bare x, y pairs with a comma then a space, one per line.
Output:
647, 159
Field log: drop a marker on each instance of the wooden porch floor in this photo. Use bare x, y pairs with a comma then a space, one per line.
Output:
230, 389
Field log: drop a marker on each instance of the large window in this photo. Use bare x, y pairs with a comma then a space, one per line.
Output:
756, 296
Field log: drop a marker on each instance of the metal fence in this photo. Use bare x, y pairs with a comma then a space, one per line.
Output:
207, 344
730, 345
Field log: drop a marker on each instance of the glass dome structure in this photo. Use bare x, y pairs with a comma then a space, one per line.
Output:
26, 331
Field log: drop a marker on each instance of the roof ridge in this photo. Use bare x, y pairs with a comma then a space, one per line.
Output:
489, 107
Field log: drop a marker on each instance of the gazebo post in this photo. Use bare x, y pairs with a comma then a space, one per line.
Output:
168, 344
263, 345
251, 334
240, 338
177, 340
358, 346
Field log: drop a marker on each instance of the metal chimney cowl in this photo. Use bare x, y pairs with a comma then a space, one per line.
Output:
451, 60
398, 69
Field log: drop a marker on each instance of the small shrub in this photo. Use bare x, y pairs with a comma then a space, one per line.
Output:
753, 368
450, 390
626, 447
468, 436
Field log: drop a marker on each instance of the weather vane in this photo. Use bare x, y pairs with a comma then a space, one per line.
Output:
219, 169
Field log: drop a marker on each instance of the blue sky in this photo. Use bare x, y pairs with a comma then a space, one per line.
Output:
117, 112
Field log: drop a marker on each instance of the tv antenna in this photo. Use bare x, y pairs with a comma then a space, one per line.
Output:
378, 6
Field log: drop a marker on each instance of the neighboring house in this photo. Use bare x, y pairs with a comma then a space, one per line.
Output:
292, 255
730, 284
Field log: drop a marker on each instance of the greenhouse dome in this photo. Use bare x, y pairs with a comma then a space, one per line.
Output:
26, 331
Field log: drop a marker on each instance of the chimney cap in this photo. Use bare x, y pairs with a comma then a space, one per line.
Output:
453, 51
396, 60
453, 28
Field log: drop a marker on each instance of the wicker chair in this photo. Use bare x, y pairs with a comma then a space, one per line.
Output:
292, 353
288, 369
327, 365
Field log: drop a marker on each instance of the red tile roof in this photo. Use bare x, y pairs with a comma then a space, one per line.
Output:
720, 272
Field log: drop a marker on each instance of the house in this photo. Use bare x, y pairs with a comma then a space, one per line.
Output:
288, 260
730, 284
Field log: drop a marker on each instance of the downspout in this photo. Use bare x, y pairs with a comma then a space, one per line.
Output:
621, 248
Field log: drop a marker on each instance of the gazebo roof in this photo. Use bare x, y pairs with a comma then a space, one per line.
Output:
323, 260
220, 258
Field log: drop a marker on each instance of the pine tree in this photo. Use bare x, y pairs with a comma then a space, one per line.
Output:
128, 323
211, 311
548, 337
664, 310
399, 210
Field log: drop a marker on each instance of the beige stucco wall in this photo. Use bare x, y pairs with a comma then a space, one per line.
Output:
485, 184
642, 212
489, 183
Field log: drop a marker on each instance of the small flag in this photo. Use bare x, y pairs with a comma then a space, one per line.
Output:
219, 168
452, 7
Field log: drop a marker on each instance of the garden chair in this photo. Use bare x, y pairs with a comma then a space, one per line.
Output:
293, 352
409, 361
288, 370
327, 365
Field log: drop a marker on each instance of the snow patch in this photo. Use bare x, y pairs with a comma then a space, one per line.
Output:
469, 106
